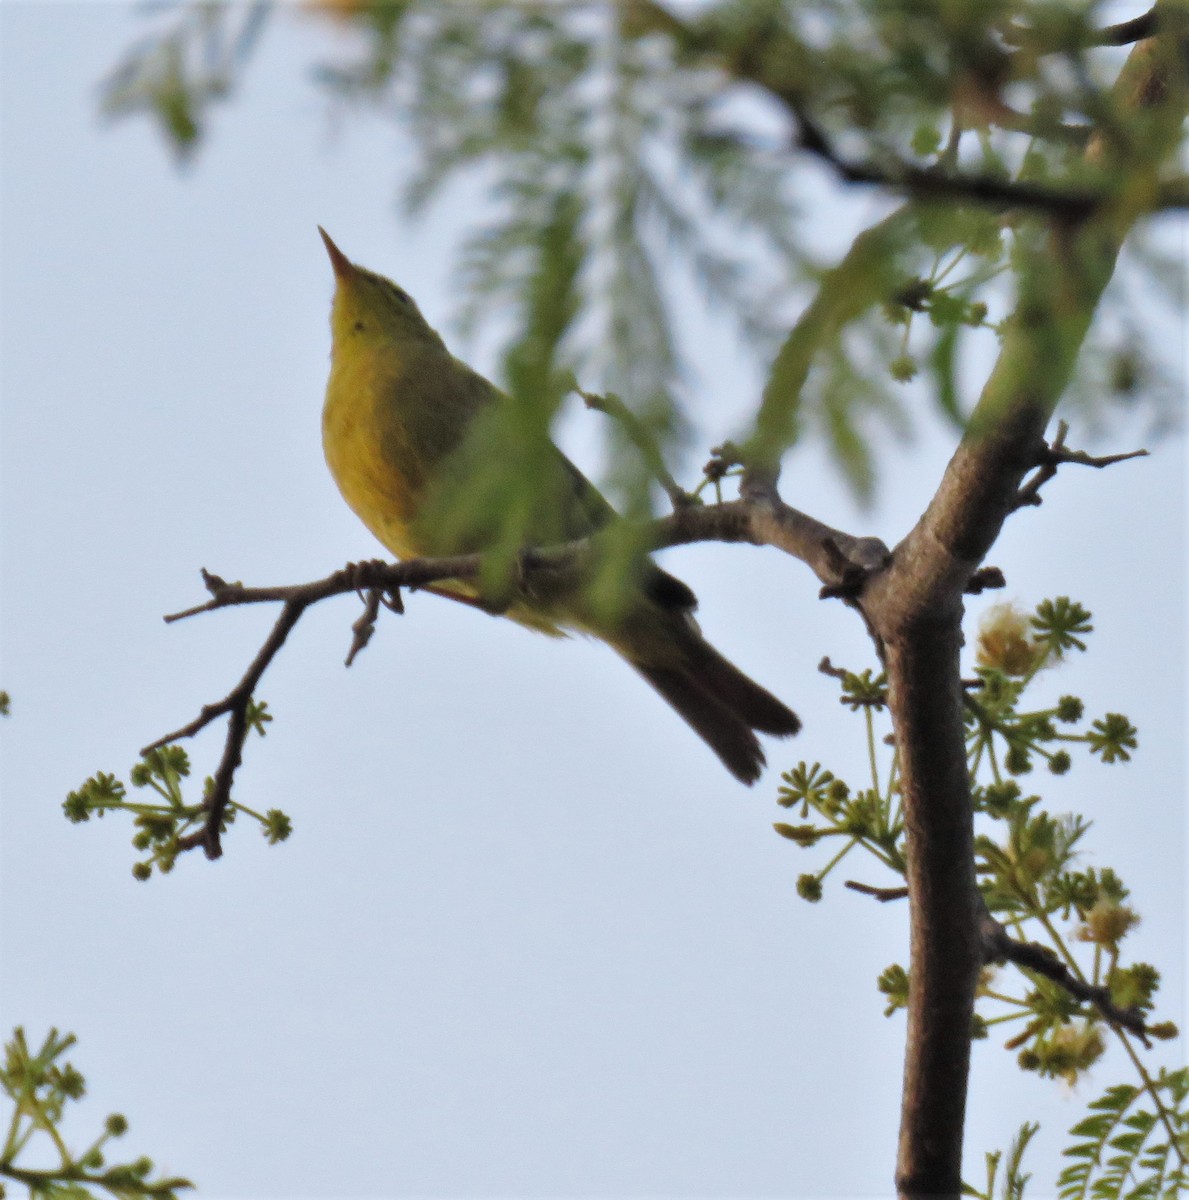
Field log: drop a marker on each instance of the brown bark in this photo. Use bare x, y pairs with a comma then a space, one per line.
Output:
915, 610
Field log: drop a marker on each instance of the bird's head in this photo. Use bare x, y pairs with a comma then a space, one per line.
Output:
369, 309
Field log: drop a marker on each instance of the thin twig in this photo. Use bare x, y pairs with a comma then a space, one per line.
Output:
999, 946
830, 552
641, 438
747, 63
416, 573
1055, 455
750, 63
235, 704
926, 183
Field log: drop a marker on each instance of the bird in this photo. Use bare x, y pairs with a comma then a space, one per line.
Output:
402, 424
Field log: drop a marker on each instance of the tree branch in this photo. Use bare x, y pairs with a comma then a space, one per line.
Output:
928, 183
769, 63
1124, 33
764, 520
915, 607
1127, 32
999, 946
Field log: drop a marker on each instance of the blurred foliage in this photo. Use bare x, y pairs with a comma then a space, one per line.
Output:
1135, 1143
1014, 1179
40, 1085
657, 145
176, 75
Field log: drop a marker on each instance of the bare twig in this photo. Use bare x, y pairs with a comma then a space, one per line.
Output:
1054, 455
381, 579
828, 551
927, 183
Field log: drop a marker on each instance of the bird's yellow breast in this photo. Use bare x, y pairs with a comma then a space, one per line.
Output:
392, 416
370, 450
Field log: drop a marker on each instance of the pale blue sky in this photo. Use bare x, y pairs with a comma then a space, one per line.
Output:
528, 938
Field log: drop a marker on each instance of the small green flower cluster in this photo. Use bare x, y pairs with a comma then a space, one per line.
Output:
39, 1087
1026, 857
161, 824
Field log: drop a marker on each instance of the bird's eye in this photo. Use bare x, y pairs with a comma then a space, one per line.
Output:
358, 326
402, 296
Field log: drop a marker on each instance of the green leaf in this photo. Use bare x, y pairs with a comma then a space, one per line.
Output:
943, 362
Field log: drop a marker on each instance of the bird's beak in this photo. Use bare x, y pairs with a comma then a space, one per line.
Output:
343, 267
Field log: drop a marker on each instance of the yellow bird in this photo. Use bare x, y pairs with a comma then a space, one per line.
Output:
399, 408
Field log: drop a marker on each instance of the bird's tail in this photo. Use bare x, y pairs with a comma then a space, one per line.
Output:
721, 704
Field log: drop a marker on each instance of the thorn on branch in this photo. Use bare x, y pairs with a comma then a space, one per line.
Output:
999, 946
883, 895
221, 591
